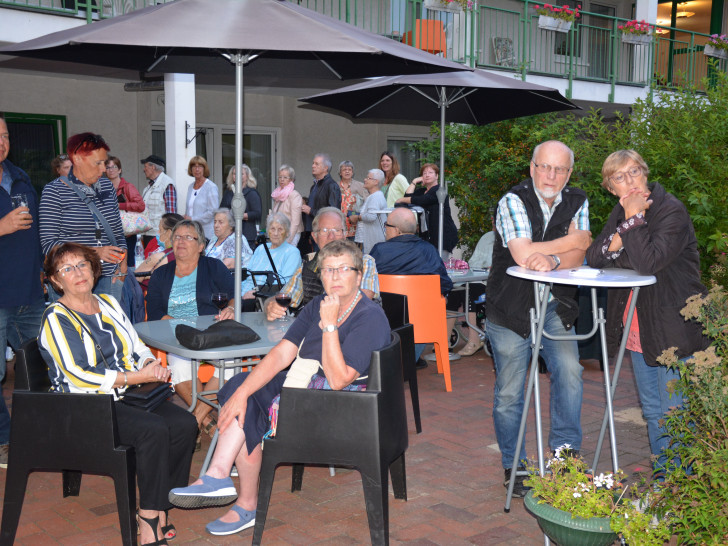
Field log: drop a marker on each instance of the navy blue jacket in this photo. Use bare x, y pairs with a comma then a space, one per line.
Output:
212, 276
409, 255
20, 277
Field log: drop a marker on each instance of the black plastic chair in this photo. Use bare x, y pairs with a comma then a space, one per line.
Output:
63, 432
366, 430
395, 307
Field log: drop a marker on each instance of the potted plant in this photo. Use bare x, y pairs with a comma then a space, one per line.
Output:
556, 18
717, 46
695, 490
576, 508
636, 32
449, 5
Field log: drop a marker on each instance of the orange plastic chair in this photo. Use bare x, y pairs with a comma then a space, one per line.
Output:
429, 35
426, 306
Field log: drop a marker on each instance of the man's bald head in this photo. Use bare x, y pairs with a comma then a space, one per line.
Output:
404, 220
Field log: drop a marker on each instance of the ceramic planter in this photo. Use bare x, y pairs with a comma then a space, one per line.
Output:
565, 531
637, 39
552, 23
712, 51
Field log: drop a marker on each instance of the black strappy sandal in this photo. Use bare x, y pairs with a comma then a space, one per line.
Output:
169, 531
153, 523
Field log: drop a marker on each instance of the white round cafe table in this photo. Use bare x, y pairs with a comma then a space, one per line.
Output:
586, 277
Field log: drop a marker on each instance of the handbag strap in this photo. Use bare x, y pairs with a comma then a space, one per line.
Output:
100, 218
86, 329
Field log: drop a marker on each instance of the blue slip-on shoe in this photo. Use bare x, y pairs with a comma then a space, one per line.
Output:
247, 520
211, 492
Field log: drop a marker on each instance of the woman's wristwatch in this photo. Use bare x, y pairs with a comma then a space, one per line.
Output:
329, 328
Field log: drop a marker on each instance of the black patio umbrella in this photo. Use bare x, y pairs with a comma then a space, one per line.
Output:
476, 97
275, 40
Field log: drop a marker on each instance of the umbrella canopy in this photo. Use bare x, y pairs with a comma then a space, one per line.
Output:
476, 97
274, 40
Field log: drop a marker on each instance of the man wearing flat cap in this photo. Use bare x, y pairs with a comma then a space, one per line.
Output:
160, 196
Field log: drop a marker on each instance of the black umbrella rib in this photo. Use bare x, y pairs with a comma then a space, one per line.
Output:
556, 100
159, 60
327, 65
385, 98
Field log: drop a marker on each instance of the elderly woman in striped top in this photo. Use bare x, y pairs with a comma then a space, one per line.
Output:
71, 330
82, 208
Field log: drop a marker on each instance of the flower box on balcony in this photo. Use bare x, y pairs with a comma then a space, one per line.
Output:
712, 51
443, 5
637, 39
552, 23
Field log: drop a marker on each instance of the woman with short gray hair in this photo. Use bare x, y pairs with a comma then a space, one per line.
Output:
285, 256
288, 201
370, 224
222, 245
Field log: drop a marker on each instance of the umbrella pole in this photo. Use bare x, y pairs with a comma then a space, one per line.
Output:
238, 204
442, 192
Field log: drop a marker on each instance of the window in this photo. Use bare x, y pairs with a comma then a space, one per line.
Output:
35, 139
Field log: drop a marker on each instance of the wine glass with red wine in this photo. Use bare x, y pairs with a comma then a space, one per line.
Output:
284, 300
220, 300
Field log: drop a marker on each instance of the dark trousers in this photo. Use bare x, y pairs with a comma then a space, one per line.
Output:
164, 441
131, 242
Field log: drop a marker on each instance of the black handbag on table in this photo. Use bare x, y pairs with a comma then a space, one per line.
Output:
221, 334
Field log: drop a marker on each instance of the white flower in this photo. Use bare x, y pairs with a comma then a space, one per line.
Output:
577, 495
600, 480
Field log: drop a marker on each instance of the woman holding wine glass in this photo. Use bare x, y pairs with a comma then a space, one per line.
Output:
183, 289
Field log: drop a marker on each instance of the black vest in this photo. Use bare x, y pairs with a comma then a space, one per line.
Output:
508, 299
312, 286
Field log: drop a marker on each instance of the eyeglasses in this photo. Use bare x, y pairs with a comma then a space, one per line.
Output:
96, 140
281, 177
179, 238
111, 166
342, 269
390, 225
546, 168
333, 231
80, 267
619, 178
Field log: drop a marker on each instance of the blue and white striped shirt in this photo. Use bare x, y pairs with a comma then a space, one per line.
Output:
63, 217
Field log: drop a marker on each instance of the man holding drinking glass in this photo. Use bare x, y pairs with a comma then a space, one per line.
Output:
21, 294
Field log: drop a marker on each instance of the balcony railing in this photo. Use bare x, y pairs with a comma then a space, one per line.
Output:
509, 39
503, 38
91, 10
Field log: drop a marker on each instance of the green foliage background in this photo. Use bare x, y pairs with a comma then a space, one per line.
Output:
683, 137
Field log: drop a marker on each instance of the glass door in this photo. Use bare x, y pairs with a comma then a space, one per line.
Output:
259, 155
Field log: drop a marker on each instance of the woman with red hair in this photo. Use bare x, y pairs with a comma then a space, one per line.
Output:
82, 208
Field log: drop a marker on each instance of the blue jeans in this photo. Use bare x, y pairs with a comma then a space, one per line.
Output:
655, 401
17, 325
103, 286
512, 357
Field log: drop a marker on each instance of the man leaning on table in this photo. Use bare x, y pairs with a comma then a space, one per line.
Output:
328, 225
543, 225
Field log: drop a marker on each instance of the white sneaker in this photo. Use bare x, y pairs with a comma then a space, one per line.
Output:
9, 354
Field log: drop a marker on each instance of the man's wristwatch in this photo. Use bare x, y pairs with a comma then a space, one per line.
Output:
330, 328
557, 261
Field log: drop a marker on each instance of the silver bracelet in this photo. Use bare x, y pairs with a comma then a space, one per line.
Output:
126, 380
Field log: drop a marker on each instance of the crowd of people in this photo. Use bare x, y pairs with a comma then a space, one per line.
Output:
356, 231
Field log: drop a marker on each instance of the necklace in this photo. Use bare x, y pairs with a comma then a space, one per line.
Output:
353, 303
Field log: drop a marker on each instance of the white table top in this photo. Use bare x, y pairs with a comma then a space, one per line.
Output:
415, 208
472, 275
610, 278
160, 334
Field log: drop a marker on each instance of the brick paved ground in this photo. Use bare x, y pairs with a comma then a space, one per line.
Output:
454, 479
